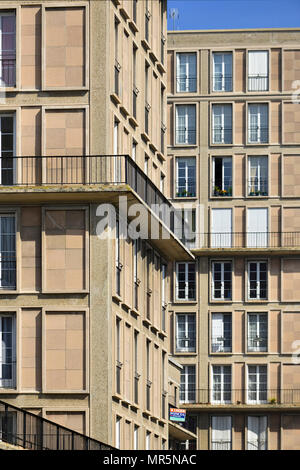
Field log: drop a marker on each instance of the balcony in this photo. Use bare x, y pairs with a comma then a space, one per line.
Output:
247, 242
237, 398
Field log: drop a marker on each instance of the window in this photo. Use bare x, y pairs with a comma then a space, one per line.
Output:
258, 71
8, 427
8, 49
185, 332
7, 142
257, 384
7, 252
148, 382
221, 332
221, 280
257, 280
117, 65
257, 227
221, 228
258, 123
186, 72
258, 176
118, 356
222, 176
257, 332
186, 124
147, 105
222, 71
185, 281
135, 90
117, 256
188, 384
257, 433
7, 351
221, 384
186, 177
221, 432
136, 437
118, 432
222, 124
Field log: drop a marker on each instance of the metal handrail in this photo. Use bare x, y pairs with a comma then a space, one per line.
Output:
22, 428
248, 239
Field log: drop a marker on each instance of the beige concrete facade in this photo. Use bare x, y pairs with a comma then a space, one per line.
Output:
200, 322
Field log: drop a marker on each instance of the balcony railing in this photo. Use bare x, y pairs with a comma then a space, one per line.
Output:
221, 344
250, 396
258, 83
32, 171
248, 240
222, 82
21, 428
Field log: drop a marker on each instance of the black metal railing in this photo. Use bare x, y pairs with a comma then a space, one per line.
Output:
222, 135
185, 188
21, 428
90, 170
222, 188
248, 240
220, 445
185, 136
220, 344
8, 71
258, 83
252, 396
186, 84
222, 82
258, 134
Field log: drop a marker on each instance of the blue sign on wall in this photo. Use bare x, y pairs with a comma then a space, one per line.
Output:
177, 414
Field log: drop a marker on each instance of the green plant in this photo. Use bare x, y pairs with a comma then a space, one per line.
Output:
272, 401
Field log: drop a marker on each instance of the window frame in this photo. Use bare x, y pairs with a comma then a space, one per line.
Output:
186, 289
187, 77
223, 83
222, 128
257, 391
222, 390
186, 129
9, 384
227, 349
259, 127
256, 349
186, 350
222, 281
258, 281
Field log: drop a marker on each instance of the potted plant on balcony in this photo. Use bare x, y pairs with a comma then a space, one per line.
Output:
272, 401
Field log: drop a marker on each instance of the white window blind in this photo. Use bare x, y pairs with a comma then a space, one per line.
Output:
221, 228
257, 227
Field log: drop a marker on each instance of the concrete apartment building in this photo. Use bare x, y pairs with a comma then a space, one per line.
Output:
234, 152
83, 320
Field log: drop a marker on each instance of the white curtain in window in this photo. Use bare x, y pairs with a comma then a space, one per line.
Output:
221, 433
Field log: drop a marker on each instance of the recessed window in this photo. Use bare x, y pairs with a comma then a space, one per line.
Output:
8, 351
185, 332
221, 280
221, 332
8, 49
257, 384
188, 384
257, 280
221, 427
257, 433
186, 177
222, 124
257, 332
221, 384
185, 281
186, 124
258, 123
258, 176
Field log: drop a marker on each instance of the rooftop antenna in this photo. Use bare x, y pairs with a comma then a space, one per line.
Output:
174, 14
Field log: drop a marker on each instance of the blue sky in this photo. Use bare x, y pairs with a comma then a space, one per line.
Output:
234, 14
